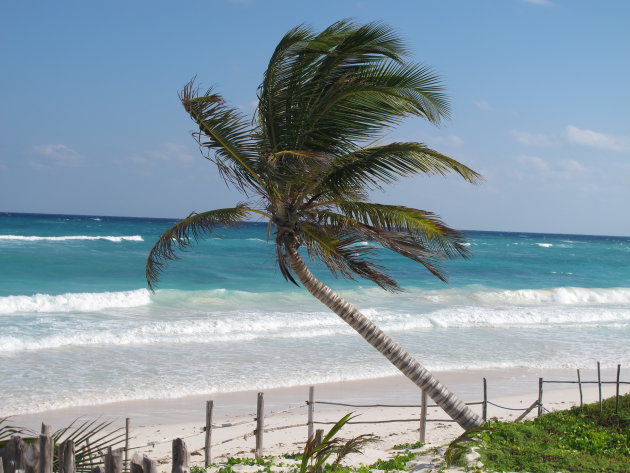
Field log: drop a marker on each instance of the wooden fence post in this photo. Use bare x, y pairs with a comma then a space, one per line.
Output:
46, 450
14, 454
66, 457
148, 465
540, 396
617, 391
136, 465
311, 410
484, 406
126, 460
423, 417
180, 457
599, 384
208, 442
319, 435
580, 386
260, 425
114, 460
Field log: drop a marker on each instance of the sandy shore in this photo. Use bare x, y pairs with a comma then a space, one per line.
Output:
154, 423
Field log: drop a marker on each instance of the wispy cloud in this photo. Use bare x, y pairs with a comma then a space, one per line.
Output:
574, 136
445, 140
543, 3
552, 173
594, 139
534, 139
168, 152
483, 105
59, 154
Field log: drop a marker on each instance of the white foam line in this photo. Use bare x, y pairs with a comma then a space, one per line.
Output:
116, 239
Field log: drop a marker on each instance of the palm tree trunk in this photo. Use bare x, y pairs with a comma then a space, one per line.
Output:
399, 357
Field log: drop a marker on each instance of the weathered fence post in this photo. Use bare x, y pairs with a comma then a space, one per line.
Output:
1, 465
423, 417
149, 466
260, 425
617, 391
180, 457
540, 396
484, 406
208, 442
599, 384
126, 460
311, 410
319, 435
580, 386
136, 465
114, 460
46, 450
66, 457
14, 454
98, 469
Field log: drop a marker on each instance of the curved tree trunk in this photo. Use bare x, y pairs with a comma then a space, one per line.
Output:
399, 357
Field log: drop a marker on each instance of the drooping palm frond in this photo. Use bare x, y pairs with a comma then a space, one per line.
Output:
91, 439
346, 252
225, 132
415, 234
7, 430
185, 233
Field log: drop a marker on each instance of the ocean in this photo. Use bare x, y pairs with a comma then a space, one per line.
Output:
78, 325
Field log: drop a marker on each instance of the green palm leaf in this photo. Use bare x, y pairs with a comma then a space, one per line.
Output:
226, 132
185, 233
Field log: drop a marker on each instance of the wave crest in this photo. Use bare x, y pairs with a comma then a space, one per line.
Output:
116, 239
72, 302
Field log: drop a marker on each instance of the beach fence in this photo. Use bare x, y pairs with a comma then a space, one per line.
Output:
35, 455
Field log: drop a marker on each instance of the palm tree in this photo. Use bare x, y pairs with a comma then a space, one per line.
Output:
309, 157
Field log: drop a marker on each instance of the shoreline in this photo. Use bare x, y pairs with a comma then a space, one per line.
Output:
155, 423
466, 384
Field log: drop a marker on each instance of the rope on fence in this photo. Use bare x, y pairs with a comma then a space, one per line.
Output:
273, 429
506, 408
271, 414
230, 424
385, 421
372, 405
416, 406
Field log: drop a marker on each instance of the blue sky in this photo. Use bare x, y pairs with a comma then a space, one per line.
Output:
91, 122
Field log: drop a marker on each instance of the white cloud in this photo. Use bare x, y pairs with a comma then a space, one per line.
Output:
544, 3
59, 154
534, 139
533, 162
436, 141
594, 139
169, 152
483, 105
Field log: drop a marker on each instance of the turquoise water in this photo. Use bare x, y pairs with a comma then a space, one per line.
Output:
72, 293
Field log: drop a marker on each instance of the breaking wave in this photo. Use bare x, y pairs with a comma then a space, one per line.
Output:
116, 239
73, 302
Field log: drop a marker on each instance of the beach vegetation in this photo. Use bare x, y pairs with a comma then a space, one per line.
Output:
580, 439
317, 452
308, 160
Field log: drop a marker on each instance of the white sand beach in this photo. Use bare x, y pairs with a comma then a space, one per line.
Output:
155, 423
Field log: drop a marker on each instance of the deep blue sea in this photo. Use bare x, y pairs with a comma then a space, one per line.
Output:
79, 327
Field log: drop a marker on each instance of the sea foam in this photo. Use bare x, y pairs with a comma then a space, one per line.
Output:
116, 239
74, 302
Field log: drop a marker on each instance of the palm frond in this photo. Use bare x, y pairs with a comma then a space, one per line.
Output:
225, 132
185, 233
345, 252
415, 234
386, 164
91, 438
